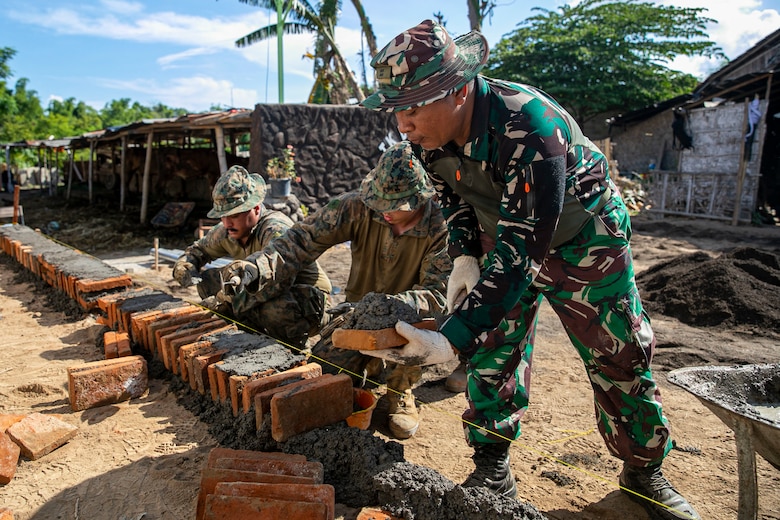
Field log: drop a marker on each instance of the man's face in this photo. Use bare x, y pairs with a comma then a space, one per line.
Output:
430, 126
239, 225
401, 218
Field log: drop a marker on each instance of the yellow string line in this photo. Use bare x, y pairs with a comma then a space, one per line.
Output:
433, 407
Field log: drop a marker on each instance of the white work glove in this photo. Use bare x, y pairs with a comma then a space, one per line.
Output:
465, 275
425, 347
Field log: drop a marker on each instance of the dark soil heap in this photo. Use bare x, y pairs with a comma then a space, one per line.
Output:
736, 290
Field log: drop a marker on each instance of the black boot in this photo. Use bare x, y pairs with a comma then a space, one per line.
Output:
493, 471
649, 482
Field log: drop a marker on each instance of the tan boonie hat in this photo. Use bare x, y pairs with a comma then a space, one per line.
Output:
236, 191
424, 64
398, 183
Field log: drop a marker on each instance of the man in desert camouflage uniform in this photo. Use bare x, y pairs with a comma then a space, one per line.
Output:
397, 240
532, 212
289, 312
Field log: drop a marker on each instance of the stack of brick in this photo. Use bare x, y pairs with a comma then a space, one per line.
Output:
244, 484
32, 436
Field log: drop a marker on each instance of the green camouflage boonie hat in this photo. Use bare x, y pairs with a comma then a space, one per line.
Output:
236, 191
398, 183
424, 64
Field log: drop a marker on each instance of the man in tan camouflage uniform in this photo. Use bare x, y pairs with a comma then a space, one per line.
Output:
532, 213
398, 244
289, 312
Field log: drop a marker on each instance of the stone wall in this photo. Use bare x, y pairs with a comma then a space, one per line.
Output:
335, 145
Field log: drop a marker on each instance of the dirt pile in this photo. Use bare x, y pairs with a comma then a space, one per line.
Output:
736, 290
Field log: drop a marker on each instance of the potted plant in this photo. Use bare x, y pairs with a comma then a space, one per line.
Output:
281, 172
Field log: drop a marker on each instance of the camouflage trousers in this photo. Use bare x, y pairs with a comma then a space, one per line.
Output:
589, 282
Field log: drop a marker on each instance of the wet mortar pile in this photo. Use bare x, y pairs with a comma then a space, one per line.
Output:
364, 469
377, 311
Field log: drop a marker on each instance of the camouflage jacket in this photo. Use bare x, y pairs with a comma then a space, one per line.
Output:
528, 179
415, 265
272, 224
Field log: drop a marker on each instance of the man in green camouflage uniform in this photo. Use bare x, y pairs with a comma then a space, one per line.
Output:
289, 312
398, 245
532, 212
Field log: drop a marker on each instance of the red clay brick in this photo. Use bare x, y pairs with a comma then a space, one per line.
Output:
354, 339
106, 382
6, 514
275, 466
116, 344
317, 403
189, 351
169, 343
200, 365
211, 476
7, 419
39, 434
370, 513
221, 378
258, 385
90, 286
110, 350
237, 384
263, 399
9, 458
151, 330
320, 494
219, 507
140, 321
230, 453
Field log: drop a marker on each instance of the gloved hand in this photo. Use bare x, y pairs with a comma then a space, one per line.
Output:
239, 274
184, 272
210, 284
425, 347
341, 308
465, 275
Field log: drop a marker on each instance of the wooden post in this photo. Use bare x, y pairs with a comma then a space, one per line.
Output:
742, 166
89, 174
70, 173
219, 136
122, 170
147, 175
17, 189
156, 254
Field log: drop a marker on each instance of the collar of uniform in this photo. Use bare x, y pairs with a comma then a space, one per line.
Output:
477, 147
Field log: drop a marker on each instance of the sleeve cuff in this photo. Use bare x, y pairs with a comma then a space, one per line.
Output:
459, 335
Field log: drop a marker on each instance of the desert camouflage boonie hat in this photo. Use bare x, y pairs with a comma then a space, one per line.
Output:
398, 183
236, 191
424, 64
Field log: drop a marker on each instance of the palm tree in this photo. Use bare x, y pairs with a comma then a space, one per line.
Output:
330, 67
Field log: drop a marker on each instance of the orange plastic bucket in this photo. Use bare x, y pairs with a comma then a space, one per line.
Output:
365, 402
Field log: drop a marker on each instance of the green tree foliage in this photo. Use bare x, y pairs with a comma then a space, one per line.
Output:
604, 56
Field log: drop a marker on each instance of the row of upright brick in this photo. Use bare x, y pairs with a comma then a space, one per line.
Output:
250, 373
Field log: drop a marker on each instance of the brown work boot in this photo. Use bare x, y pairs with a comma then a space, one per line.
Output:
655, 493
456, 381
402, 417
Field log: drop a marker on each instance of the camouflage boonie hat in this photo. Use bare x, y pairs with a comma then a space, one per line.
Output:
424, 64
398, 183
236, 191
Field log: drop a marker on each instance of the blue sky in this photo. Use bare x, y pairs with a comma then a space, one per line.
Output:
181, 52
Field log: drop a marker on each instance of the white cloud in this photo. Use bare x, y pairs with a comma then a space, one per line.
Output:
168, 60
122, 7
195, 93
